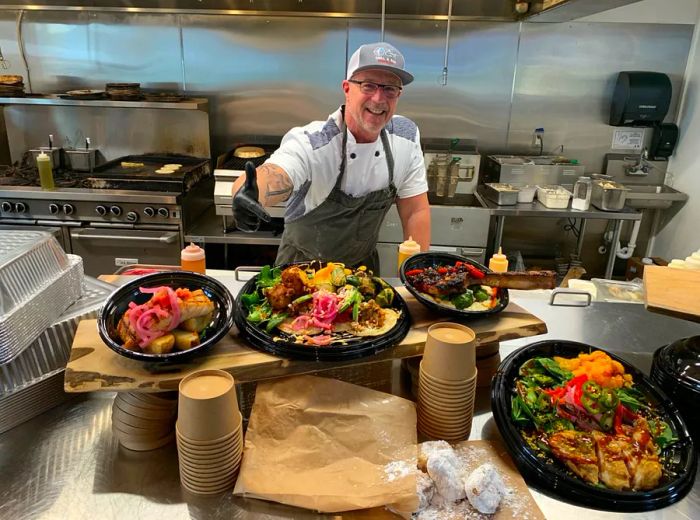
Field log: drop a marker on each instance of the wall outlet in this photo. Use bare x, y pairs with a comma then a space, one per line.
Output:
537, 138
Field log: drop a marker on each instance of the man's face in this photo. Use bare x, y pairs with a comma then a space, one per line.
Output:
367, 114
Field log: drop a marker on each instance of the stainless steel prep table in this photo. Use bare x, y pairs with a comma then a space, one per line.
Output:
66, 464
537, 209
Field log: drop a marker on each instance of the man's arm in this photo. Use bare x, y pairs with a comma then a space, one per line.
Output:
274, 185
415, 219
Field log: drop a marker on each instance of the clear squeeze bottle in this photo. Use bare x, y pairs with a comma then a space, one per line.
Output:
498, 262
43, 164
407, 248
192, 258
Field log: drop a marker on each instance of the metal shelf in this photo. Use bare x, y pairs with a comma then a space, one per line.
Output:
187, 104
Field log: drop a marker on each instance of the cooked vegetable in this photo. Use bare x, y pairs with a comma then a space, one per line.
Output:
338, 276
274, 321
162, 345
260, 312
463, 301
367, 288
268, 276
196, 324
352, 280
385, 297
350, 296
185, 339
481, 295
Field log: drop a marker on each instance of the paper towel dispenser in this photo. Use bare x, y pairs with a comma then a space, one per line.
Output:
640, 99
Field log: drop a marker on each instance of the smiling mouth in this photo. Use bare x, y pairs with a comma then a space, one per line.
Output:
376, 112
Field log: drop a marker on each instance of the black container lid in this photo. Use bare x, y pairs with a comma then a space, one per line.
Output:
681, 360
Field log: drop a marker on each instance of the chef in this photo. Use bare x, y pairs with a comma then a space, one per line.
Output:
341, 176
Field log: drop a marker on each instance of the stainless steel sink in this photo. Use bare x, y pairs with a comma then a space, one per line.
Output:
652, 197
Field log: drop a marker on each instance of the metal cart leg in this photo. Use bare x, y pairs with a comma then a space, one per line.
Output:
581, 233
500, 221
613, 248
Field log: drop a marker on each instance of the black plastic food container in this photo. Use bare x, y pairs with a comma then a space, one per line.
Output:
284, 345
430, 259
676, 369
118, 303
553, 478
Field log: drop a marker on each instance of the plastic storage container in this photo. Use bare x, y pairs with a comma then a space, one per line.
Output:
407, 249
554, 197
582, 194
526, 194
43, 164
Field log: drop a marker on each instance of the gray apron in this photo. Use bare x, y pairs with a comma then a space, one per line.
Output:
342, 228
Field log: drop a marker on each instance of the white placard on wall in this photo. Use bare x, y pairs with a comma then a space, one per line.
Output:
628, 139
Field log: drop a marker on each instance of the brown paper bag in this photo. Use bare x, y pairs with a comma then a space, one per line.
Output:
329, 446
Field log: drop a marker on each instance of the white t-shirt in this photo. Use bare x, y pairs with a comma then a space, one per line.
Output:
311, 156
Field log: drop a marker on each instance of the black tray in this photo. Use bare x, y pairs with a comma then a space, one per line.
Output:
553, 478
358, 348
118, 302
423, 260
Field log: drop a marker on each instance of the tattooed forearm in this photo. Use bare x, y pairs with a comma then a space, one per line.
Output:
278, 186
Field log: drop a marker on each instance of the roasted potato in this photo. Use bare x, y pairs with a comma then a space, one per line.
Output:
161, 345
185, 339
196, 324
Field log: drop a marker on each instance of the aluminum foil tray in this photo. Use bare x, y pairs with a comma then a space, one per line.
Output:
29, 261
27, 403
27, 321
51, 349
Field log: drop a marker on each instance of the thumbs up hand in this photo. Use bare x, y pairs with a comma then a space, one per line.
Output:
247, 211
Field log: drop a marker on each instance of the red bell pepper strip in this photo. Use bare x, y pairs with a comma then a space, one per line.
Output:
622, 413
474, 272
414, 272
442, 270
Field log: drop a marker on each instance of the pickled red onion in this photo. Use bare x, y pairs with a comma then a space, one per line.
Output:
301, 322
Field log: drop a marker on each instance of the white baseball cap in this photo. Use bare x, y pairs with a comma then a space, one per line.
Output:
380, 55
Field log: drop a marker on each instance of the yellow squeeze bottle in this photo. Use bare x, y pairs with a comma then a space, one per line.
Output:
192, 258
407, 248
498, 262
43, 164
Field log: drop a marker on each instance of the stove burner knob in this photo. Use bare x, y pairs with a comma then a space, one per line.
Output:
54, 209
101, 210
6, 207
68, 209
132, 216
149, 211
20, 207
163, 212
116, 210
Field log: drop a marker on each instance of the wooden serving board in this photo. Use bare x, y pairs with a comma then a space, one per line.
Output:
675, 292
93, 366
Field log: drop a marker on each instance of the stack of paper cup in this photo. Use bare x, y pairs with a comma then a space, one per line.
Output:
447, 382
142, 421
209, 434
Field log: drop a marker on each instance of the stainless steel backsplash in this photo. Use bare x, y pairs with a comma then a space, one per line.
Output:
266, 74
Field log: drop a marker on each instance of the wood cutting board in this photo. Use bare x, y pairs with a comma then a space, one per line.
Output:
520, 504
675, 292
93, 366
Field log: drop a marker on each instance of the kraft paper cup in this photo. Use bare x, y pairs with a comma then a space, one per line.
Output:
427, 401
121, 417
232, 436
139, 400
220, 465
141, 445
448, 385
451, 356
204, 490
142, 433
207, 406
206, 454
448, 393
139, 411
442, 432
164, 399
454, 420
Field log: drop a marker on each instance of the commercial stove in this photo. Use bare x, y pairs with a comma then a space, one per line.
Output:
108, 217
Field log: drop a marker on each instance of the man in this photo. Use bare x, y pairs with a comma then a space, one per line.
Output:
341, 176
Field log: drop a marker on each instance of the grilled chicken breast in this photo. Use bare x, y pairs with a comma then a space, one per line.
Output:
577, 451
611, 451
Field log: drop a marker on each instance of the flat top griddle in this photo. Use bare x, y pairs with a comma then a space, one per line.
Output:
113, 175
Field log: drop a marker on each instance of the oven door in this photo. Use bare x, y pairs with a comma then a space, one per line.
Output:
105, 249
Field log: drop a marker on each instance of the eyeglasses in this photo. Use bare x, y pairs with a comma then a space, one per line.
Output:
369, 88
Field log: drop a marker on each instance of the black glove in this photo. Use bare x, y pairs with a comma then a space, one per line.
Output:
247, 211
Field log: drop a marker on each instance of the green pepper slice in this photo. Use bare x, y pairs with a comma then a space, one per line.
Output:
608, 399
302, 299
592, 389
607, 420
590, 404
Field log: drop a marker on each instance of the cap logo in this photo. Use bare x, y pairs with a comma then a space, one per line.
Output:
384, 55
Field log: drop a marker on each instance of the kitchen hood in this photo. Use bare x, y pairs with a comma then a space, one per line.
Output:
487, 10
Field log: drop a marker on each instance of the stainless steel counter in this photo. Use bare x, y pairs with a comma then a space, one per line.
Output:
536, 209
66, 464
